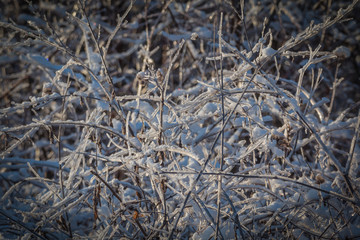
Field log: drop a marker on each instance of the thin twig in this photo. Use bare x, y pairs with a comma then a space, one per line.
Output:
352, 146
19, 223
275, 177
117, 28
222, 132
68, 123
101, 53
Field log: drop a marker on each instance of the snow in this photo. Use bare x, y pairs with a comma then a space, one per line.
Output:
268, 52
258, 133
311, 195
275, 150
260, 79
191, 91
173, 37
275, 206
43, 62
135, 142
94, 61
342, 52
203, 32
144, 107
117, 124
209, 108
60, 145
102, 105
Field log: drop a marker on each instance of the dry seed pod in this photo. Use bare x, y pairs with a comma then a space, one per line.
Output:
319, 179
140, 82
47, 89
160, 76
194, 36
141, 78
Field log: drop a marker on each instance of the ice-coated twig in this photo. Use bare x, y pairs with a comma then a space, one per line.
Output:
235, 216
120, 21
101, 52
275, 177
27, 135
21, 224
67, 123
218, 232
354, 142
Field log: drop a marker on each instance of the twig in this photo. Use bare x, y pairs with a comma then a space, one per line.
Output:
117, 28
275, 177
236, 217
222, 132
68, 123
27, 135
352, 146
107, 185
19, 223
61, 180
101, 53
333, 92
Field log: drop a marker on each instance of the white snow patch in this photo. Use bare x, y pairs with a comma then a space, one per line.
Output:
176, 37
203, 32
342, 52
102, 105
261, 79
312, 194
258, 133
277, 152
274, 206
191, 91
268, 51
116, 124
208, 109
136, 142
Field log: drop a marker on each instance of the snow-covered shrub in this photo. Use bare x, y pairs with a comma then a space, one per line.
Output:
186, 120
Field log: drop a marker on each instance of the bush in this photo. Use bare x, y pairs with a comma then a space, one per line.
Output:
175, 119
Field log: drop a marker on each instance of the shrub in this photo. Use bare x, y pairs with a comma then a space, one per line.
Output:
199, 119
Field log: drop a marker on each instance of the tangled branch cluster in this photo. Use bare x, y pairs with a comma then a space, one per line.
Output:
175, 119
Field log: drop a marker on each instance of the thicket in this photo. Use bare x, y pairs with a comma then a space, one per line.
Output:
179, 119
